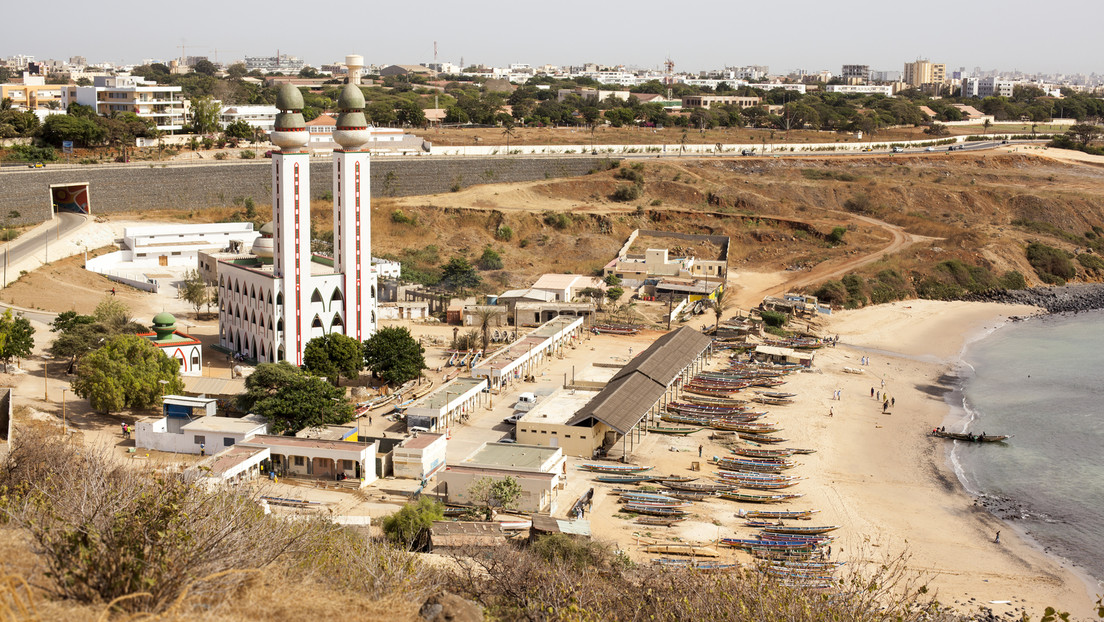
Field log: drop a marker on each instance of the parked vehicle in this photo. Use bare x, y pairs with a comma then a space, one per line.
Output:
898, 149
526, 402
747, 152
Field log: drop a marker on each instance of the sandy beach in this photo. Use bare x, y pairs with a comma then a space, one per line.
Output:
879, 476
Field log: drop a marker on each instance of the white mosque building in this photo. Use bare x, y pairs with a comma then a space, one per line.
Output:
272, 303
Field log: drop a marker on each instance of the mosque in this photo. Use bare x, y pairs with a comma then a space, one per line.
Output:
283, 295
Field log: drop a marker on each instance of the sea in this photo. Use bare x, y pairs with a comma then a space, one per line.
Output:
1041, 380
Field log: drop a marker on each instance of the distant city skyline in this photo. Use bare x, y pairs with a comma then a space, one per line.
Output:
1008, 36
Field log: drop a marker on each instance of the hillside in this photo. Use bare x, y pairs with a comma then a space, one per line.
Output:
979, 209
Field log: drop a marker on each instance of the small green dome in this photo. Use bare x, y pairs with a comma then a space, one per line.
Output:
290, 121
351, 120
351, 98
289, 98
266, 229
164, 319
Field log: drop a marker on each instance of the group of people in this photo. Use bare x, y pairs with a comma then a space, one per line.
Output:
126, 430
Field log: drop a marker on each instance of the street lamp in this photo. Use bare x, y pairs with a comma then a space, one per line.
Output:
46, 377
64, 421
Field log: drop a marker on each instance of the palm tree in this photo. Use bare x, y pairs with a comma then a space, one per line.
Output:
508, 131
484, 315
987, 125
720, 304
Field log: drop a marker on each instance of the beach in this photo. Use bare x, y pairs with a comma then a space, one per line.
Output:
880, 476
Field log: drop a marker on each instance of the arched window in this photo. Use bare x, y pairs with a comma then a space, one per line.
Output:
337, 323
221, 283
237, 290
316, 296
373, 291
280, 298
373, 317
280, 325
260, 322
280, 354
269, 298
253, 293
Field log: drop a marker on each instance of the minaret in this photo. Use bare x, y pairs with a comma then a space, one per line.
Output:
352, 215
291, 254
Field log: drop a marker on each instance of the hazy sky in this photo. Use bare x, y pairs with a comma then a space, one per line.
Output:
1009, 35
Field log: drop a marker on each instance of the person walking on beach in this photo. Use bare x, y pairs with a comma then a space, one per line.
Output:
878, 396
885, 406
700, 447
871, 391
892, 401
831, 411
883, 383
998, 537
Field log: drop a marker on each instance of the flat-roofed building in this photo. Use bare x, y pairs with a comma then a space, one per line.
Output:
420, 456
541, 472
708, 101
322, 459
205, 435
547, 424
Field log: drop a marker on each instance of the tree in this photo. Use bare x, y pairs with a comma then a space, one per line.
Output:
16, 337
410, 113
194, 290
595, 294
115, 314
239, 129
458, 274
614, 294
333, 356
484, 316
492, 493
126, 373
987, 125
1084, 132
508, 132
393, 355
721, 302
205, 67
237, 71
292, 399
205, 115
410, 526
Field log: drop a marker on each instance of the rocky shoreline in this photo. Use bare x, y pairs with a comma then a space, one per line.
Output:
1061, 299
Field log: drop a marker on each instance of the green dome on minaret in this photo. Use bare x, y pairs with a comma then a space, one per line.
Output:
351, 98
164, 324
290, 103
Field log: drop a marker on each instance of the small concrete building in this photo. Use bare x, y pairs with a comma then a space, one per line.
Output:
234, 465
566, 287
320, 458
775, 354
208, 435
420, 456
546, 425
187, 350
450, 535
541, 472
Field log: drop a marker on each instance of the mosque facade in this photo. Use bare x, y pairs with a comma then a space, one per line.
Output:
282, 296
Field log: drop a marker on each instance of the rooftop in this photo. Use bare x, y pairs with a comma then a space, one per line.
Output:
451, 391
558, 407
507, 455
421, 441
306, 443
228, 425
204, 385
232, 457
534, 294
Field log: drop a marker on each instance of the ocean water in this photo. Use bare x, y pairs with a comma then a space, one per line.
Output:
1041, 380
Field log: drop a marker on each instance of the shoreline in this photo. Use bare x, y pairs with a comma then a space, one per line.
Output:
944, 527
993, 504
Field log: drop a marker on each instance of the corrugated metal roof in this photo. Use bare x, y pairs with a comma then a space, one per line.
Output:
665, 359
638, 386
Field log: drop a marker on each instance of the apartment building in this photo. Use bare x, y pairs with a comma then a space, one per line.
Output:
162, 104
32, 93
708, 101
865, 89
987, 87
921, 72
862, 72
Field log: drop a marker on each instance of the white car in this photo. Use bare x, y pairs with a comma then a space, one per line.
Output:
930, 149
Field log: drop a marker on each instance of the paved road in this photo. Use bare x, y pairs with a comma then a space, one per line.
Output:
30, 245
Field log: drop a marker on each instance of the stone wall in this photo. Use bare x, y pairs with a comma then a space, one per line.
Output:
114, 188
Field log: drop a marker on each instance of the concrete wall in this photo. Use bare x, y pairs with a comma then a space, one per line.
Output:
115, 188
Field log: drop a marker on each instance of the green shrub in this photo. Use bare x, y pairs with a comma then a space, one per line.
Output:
30, 153
222, 155
856, 290
504, 233
1091, 262
836, 237
557, 220
400, 218
630, 174
1053, 265
1012, 279
524, 242
860, 203
490, 259
831, 292
774, 318
410, 525
248, 154
626, 193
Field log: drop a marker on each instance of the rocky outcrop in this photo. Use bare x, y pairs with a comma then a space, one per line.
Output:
1063, 299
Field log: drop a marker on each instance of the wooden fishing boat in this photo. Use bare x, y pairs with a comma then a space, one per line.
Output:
798, 529
778, 514
672, 478
972, 438
692, 550
746, 543
852, 370
693, 564
747, 428
763, 453
632, 496
804, 451
623, 479
707, 391
671, 417
753, 498
765, 485
673, 503
615, 329
675, 431
761, 438
713, 401
614, 468
782, 395
772, 401
654, 511
691, 495
659, 521
699, 487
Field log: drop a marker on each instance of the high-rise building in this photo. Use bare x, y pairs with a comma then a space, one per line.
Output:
272, 304
922, 72
861, 72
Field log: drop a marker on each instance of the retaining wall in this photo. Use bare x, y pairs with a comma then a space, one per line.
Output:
114, 188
